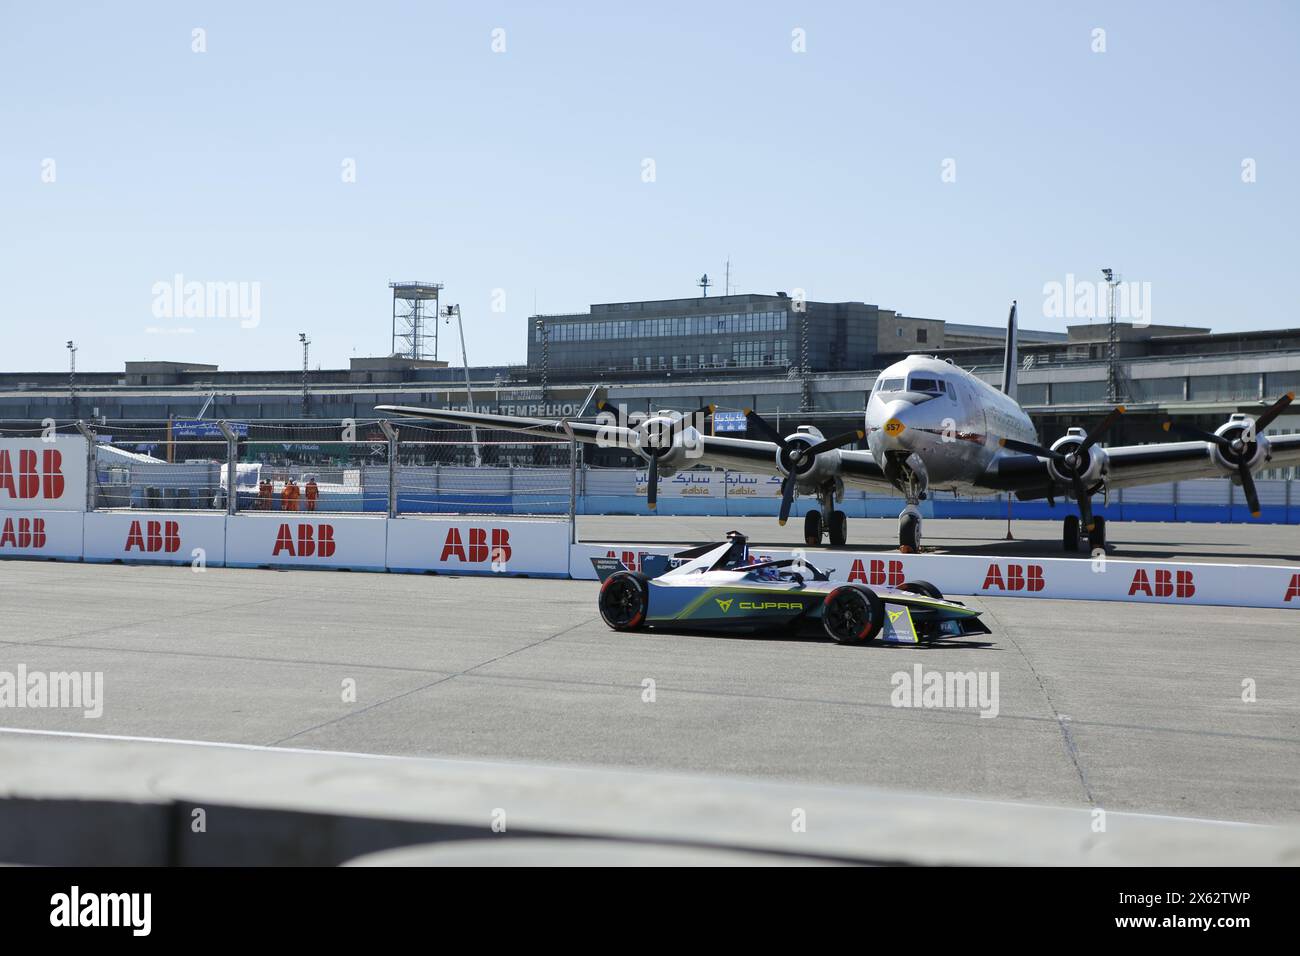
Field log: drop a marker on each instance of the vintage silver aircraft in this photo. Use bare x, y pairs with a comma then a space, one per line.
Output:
929, 425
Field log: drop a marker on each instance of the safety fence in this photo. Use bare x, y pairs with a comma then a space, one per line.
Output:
505, 476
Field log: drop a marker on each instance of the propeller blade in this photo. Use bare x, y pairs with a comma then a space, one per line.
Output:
757, 423
1085, 502
1101, 428
837, 442
1248, 486
1200, 434
787, 498
686, 420
1030, 449
1276, 409
652, 483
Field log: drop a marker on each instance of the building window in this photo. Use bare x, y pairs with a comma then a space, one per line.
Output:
922, 335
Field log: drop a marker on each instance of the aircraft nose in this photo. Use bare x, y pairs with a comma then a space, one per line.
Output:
894, 428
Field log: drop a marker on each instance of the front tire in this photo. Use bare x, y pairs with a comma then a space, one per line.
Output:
852, 614
839, 528
812, 528
624, 600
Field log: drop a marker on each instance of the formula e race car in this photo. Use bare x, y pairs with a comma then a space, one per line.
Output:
721, 588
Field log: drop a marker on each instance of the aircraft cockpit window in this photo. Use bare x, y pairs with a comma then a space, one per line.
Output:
926, 386
891, 385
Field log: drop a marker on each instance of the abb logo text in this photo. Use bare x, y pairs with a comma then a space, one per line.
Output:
1166, 584
631, 559
37, 476
23, 533
1018, 577
307, 541
877, 571
154, 536
478, 549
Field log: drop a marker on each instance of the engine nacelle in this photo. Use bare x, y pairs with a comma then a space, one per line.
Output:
810, 473
651, 438
1240, 430
1095, 468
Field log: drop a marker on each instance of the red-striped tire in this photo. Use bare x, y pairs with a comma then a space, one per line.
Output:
852, 614
624, 600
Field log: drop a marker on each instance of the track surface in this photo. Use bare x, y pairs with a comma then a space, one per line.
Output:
1126, 707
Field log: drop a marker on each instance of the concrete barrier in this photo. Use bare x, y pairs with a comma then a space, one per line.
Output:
479, 546
79, 800
41, 534
178, 538
306, 540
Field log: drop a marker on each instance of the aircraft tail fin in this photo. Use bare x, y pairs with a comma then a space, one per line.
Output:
1011, 358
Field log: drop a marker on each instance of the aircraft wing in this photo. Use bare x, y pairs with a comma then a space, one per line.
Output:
1132, 465
740, 454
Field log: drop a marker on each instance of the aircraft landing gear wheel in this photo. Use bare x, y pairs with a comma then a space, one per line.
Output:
1097, 536
812, 528
623, 600
1070, 533
852, 615
909, 533
839, 528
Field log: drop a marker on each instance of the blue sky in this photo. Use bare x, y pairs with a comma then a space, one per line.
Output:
522, 170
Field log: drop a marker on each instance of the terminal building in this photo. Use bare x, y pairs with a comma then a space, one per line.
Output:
735, 351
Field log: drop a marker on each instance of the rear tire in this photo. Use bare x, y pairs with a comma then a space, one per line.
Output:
624, 599
852, 614
922, 587
812, 528
1070, 533
839, 528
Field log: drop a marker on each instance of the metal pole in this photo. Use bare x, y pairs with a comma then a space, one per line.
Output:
573, 491
302, 337
232, 471
469, 395
92, 463
391, 434
573, 481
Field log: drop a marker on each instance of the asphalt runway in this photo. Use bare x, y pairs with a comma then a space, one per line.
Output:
1138, 541
1123, 707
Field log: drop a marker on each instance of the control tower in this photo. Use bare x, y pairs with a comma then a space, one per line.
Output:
415, 321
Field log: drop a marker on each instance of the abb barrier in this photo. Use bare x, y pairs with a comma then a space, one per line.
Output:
40, 474
539, 547
162, 539
454, 546
1085, 579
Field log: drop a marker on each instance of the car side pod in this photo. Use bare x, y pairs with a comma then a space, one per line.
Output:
852, 614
